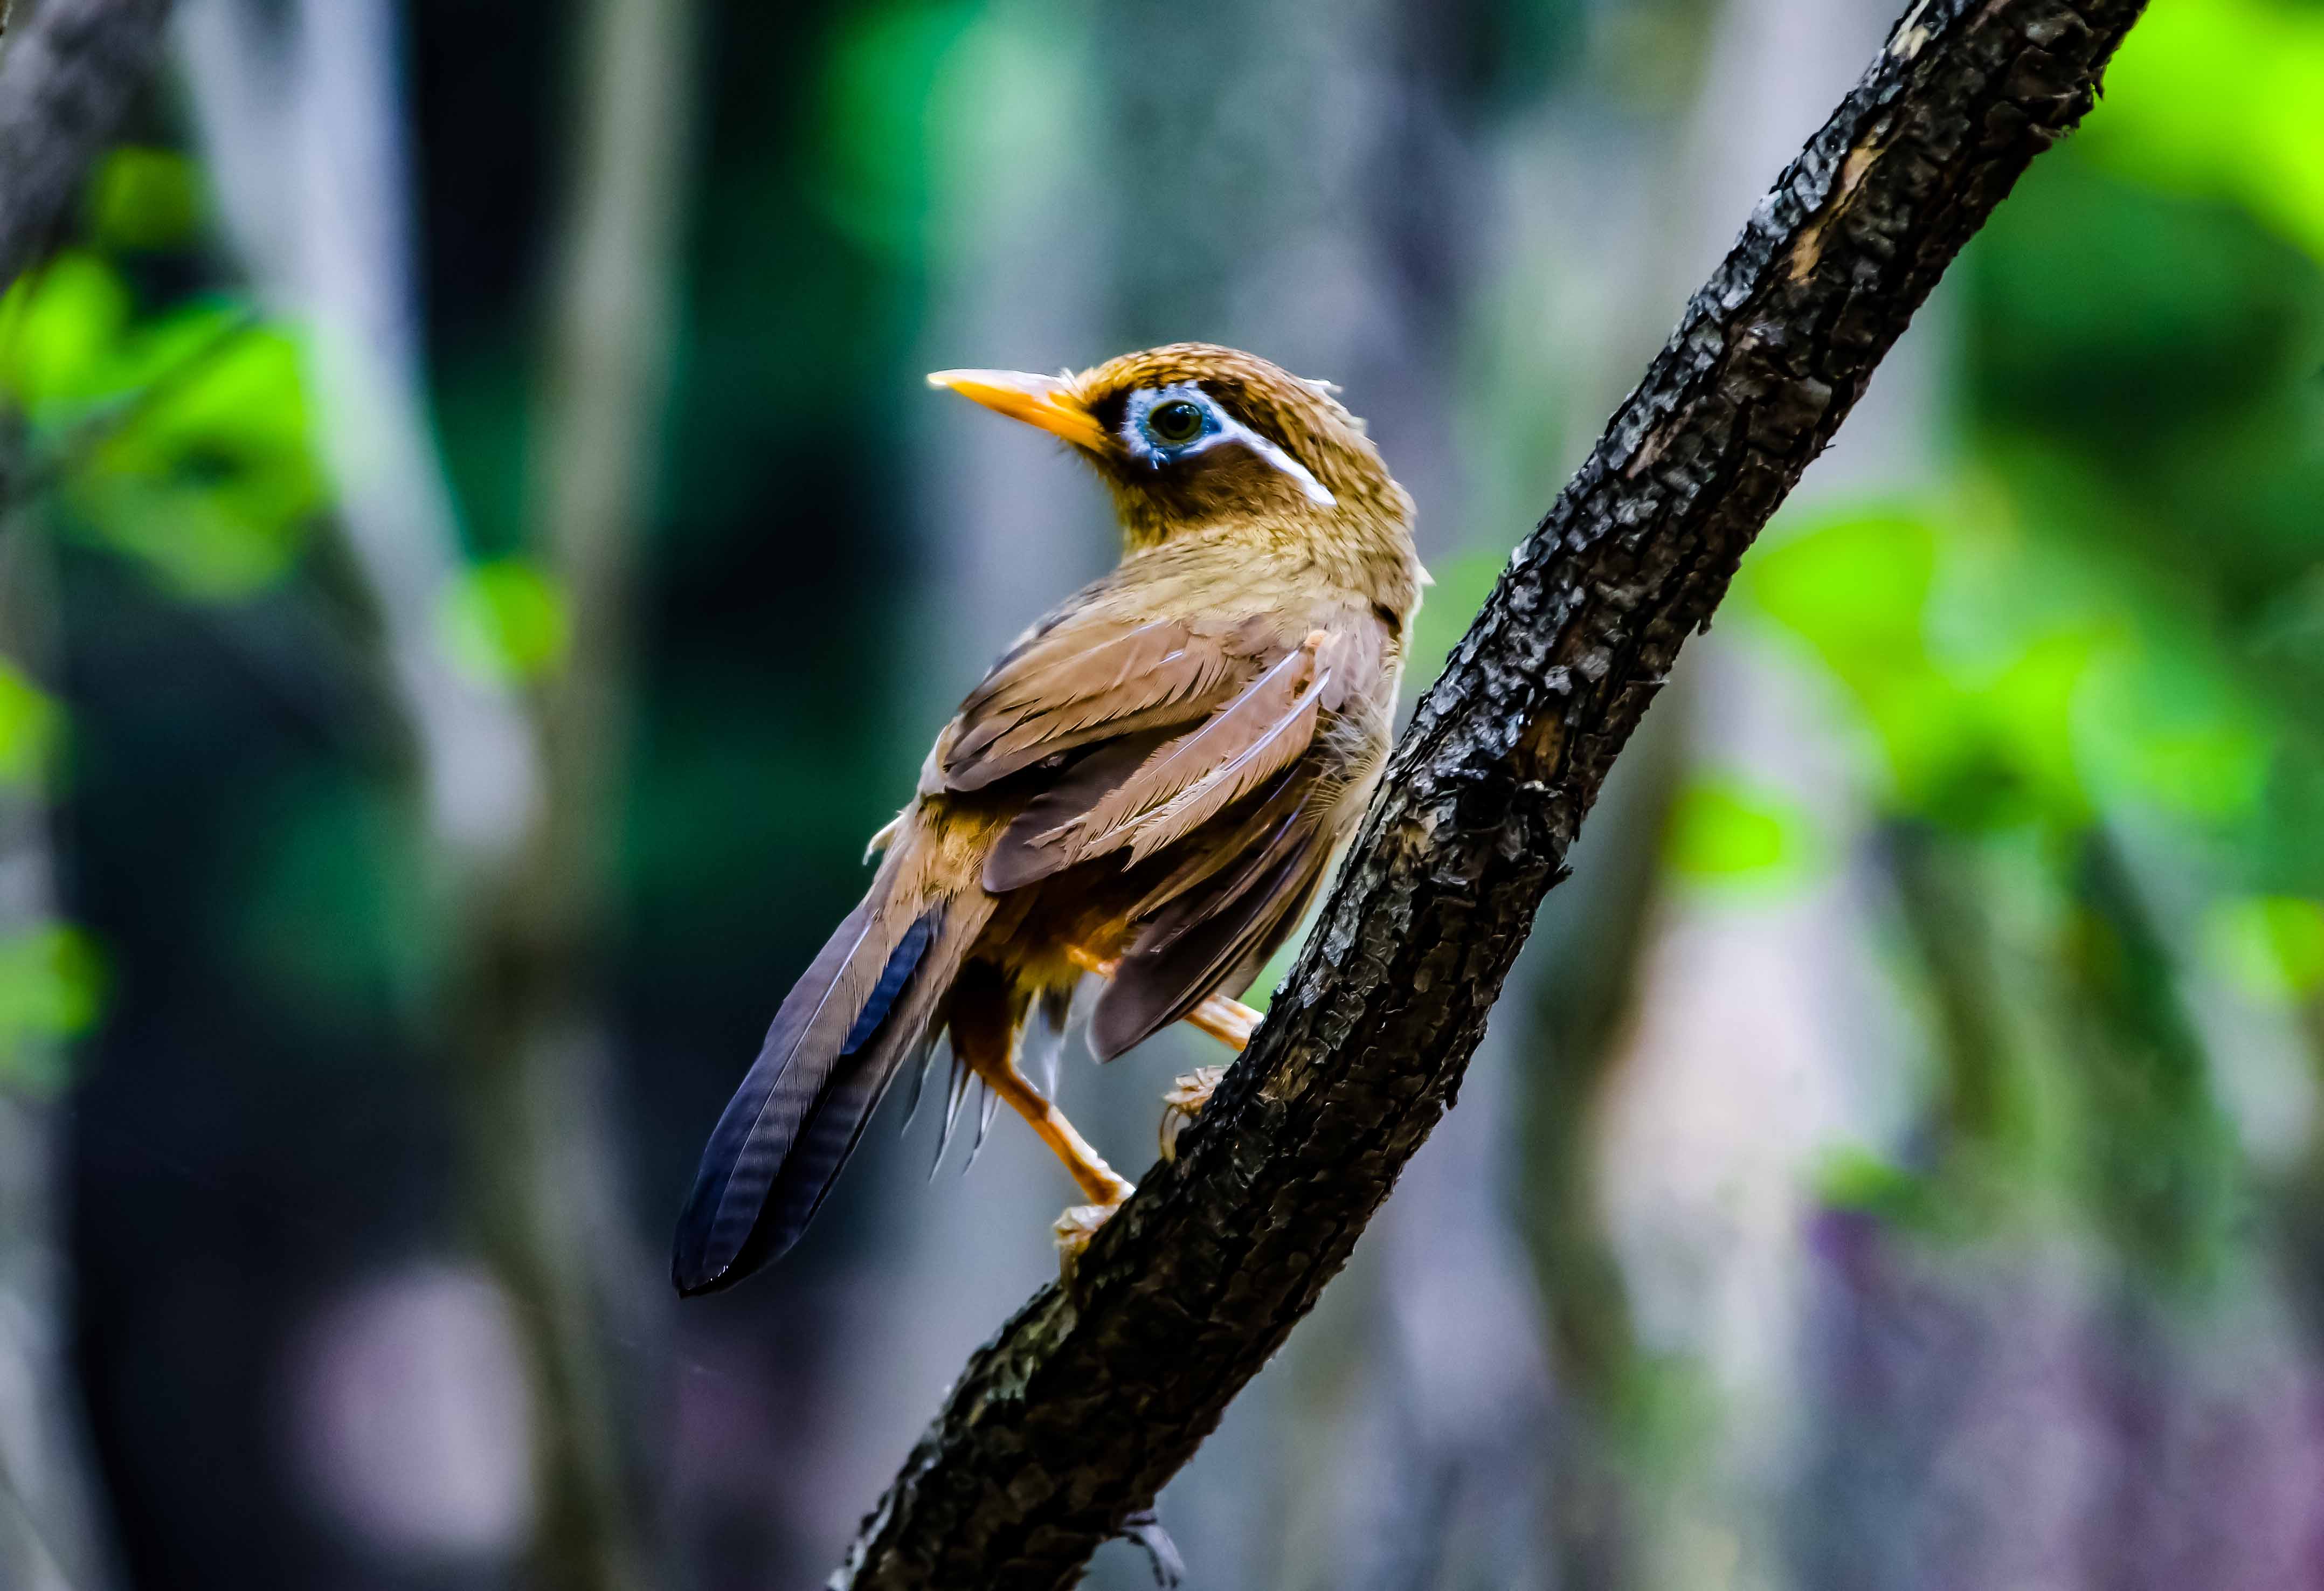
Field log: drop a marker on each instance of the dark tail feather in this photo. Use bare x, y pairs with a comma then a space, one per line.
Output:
861, 1013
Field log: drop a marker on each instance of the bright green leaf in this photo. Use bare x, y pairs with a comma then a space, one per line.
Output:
212, 483
1724, 832
1855, 588
506, 620
2225, 99
60, 326
29, 722
2269, 946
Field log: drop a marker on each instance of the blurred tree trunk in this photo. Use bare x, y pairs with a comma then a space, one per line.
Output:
69, 72
537, 1049
518, 786
53, 1533
1586, 965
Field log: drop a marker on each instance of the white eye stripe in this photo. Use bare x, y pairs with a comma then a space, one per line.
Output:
1225, 427
1317, 493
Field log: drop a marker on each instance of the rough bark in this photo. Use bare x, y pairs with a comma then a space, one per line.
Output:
1094, 1396
67, 73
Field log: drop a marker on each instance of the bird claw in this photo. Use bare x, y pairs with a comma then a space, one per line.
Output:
1184, 1102
1144, 1531
1073, 1229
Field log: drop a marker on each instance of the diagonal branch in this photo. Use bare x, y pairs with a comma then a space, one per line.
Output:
1090, 1399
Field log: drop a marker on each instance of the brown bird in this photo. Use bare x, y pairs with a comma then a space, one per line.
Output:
1150, 785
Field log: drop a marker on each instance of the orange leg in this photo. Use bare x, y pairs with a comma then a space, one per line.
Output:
985, 1034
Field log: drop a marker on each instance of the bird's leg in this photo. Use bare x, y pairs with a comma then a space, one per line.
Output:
1231, 1022
984, 1035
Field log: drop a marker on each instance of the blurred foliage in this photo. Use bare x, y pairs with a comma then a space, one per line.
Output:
181, 437
144, 200
2089, 675
1726, 834
1854, 1179
2224, 98
2270, 947
507, 620
31, 724
1447, 609
51, 989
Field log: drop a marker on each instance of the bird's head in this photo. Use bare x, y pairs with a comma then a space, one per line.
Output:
1194, 436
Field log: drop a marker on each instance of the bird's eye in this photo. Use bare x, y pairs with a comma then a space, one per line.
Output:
1174, 422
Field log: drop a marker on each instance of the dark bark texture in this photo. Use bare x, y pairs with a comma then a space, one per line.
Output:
1091, 1399
67, 73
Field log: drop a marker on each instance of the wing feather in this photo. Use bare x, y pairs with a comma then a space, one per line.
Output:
1177, 787
1085, 680
1203, 943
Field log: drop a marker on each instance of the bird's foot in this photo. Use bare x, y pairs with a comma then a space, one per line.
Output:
1073, 1229
1185, 1101
1144, 1531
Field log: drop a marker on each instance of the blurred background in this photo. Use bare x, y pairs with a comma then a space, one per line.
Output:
478, 560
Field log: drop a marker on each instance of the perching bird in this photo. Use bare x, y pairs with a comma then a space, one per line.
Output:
1150, 785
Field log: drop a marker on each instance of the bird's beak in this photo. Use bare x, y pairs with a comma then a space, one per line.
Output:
1046, 401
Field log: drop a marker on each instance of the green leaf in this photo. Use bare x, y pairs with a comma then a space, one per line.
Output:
51, 989
59, 327
506, 622
2222, 98
1856, 587
1723, 832
31, 723
212, 483
2269, 946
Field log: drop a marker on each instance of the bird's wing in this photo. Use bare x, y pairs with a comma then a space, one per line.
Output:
1150, 787
1090, 678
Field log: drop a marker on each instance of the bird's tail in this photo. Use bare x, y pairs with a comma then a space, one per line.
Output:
865, 1008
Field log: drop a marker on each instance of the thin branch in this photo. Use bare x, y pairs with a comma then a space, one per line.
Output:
1090, 1399
66, 81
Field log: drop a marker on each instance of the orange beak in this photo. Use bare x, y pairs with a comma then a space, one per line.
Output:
1046, 401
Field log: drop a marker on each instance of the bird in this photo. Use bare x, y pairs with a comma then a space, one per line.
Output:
1149, 786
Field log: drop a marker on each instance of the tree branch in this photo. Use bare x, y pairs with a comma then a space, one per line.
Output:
66, 78
1092, 1397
